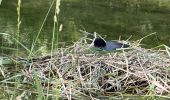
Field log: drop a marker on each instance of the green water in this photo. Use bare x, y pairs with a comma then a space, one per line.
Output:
110, 18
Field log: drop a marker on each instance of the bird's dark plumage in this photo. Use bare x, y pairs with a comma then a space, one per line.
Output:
98, 42
109, 45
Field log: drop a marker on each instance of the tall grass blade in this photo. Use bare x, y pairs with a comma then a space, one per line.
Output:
167, 50
17, 38
22, 45
56, 15
4, 34
38, 86
18, 43
33, 44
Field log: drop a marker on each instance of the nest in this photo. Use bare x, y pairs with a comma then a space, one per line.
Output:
80, 71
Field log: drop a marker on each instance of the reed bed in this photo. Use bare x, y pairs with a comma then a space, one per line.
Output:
81, 71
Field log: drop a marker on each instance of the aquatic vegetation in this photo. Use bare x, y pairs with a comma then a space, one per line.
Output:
78, 71
81, 71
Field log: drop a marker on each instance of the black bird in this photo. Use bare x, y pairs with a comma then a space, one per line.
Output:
107, 45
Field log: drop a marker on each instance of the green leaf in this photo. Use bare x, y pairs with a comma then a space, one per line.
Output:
5, 61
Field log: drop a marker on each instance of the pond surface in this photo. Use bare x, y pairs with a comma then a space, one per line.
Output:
110, 18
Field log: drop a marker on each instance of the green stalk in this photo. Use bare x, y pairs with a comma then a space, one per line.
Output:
55, 24
38, 86
33, 44
18, 32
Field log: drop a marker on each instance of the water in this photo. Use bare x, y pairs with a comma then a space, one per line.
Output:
110, 18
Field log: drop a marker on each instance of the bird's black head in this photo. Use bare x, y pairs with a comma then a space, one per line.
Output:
99, 42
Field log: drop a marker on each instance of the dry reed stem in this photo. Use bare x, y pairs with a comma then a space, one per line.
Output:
86, 72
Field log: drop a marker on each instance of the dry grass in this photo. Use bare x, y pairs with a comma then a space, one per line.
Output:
80, 71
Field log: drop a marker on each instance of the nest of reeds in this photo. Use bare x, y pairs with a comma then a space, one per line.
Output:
81, 71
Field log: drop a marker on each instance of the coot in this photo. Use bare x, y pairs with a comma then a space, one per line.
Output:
108, 45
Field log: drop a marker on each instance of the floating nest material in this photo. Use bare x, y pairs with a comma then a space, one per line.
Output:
81, 71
